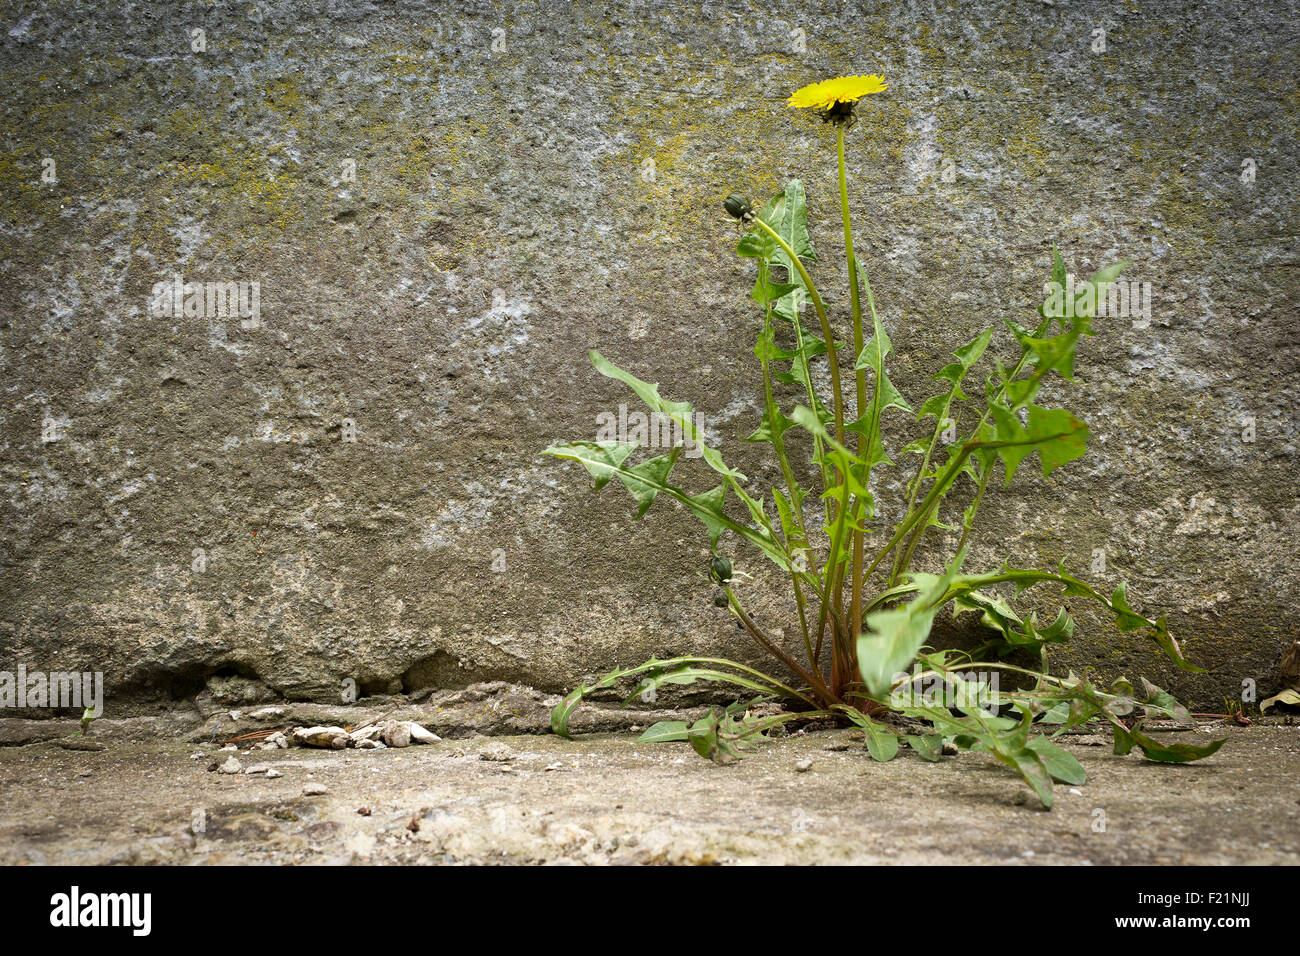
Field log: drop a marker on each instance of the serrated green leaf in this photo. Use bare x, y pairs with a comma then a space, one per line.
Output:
601, 458
680, 413
645, 480
894, 637
1172, 753
787, 214
764, 431
1055, 434
1071, 439
1126, 619
971, 352
708, 506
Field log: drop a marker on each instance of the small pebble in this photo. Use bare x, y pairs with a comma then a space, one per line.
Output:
315, 790
803, 766
498, 752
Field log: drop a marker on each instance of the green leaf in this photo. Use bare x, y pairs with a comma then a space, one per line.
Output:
601, 458
1055, 353
646, 479
597, 458
1059, 763
788, 217
1070, 441
1171, 753
1030, 766
939, 406
1123, 740
1125, 618
890, 397
971, 352
765, 292
680, 413
787, 214
676, 670
1057, 713
894, 636
665, 731
1161, 702
876, 349
994, 613
800, 358
764, 431
563, 711
707, 506
1014, 633
882, 744
1055, 434
927, 748
703, 736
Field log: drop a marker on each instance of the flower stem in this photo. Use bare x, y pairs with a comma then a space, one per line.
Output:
813, 679
860, 381
800, 533
837, 398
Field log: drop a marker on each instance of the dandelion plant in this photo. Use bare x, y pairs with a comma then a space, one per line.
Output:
864, 612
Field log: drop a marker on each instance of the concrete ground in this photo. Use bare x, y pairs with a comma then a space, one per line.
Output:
606, 799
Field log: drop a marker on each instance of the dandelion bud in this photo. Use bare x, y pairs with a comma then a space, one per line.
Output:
720, 569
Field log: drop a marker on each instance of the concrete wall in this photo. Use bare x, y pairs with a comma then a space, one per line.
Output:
501, 222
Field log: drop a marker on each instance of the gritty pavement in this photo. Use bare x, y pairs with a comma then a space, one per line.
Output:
606, 799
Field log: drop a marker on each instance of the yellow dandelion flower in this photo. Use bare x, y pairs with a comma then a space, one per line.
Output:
843, 89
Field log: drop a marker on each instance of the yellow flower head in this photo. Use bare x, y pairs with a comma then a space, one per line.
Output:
844, 89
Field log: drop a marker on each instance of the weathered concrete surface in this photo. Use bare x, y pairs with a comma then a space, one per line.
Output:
602, 800
500, 224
